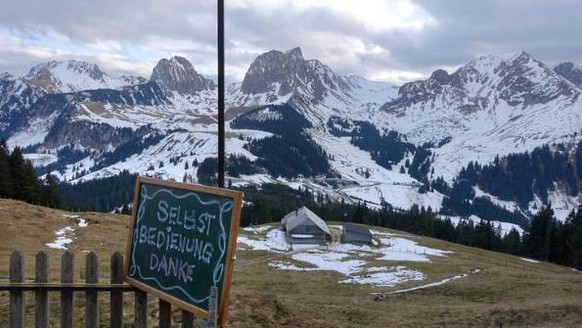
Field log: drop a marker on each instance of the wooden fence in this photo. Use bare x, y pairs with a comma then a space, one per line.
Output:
91, 287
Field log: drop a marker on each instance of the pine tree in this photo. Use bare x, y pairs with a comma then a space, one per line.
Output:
573, 227
23, 177
50, 192
5, 175
540, 236
511, 242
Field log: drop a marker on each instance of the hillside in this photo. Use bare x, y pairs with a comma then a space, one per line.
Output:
470, 287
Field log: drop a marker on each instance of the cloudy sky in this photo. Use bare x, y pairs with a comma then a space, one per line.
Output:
389, 40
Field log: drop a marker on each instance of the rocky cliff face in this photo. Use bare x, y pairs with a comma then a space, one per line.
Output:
288, 72
178, 74
16, 97
571, 72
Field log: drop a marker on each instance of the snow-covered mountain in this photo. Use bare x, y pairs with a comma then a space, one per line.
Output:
494, 105
367, 132
73, 76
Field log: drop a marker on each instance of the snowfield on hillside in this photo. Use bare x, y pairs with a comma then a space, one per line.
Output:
351, 261
66, 235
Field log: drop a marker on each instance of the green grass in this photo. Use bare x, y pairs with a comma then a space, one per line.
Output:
508, 290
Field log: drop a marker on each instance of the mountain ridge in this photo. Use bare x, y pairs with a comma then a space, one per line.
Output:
492, 106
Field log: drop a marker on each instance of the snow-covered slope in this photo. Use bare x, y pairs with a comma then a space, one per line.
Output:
493, 106
73, 76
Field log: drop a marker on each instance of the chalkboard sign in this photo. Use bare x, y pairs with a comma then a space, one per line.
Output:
182, 241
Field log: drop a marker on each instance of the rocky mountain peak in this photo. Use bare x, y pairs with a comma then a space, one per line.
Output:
525, 80
71, 66
570, 72
273, 67
295, 53
178, 74
283, 73
6, 76
516, 78
441, 76
70, 76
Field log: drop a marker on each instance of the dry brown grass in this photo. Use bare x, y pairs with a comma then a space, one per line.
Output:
508, 290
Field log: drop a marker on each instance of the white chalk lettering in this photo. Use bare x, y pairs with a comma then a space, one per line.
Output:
143, 234
189, 220
174, 242
208, 251
204, 223
174, 214
152, 236
161, 239
184, 217
200, 249
162, 211
172, 267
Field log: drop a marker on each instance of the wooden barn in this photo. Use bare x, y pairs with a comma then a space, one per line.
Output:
302, 226
356, 234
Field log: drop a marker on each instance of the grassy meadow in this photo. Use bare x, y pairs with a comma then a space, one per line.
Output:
507, 291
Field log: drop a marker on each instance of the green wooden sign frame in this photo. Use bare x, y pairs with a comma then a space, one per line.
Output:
182, 242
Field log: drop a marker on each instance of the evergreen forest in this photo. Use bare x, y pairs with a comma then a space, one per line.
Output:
18, 180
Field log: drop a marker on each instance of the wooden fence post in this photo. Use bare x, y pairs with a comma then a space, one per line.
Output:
67, 296
187, 319
141, 309
91, 297
16, 297
165, 314
42, 302
116, 298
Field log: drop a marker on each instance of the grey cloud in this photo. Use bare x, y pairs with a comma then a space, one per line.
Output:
549, 30
465, 28
130, 20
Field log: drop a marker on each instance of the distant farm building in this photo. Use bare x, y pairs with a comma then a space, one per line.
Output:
302, 226
356, 234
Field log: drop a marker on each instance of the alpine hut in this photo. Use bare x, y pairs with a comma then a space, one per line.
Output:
302, 226
356, 234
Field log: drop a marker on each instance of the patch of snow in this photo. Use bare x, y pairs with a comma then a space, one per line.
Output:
80, 221
40, 159
402, 249
348, 259
257, 229
62, 238
529, 260
505, 227
392, 277
274, 241
65, 236
434, 284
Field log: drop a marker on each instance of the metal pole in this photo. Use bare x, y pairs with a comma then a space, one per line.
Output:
221, 153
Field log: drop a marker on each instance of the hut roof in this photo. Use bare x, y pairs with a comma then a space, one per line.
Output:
304, 216
356, 232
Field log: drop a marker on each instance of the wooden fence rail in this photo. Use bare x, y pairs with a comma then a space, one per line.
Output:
91, 287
